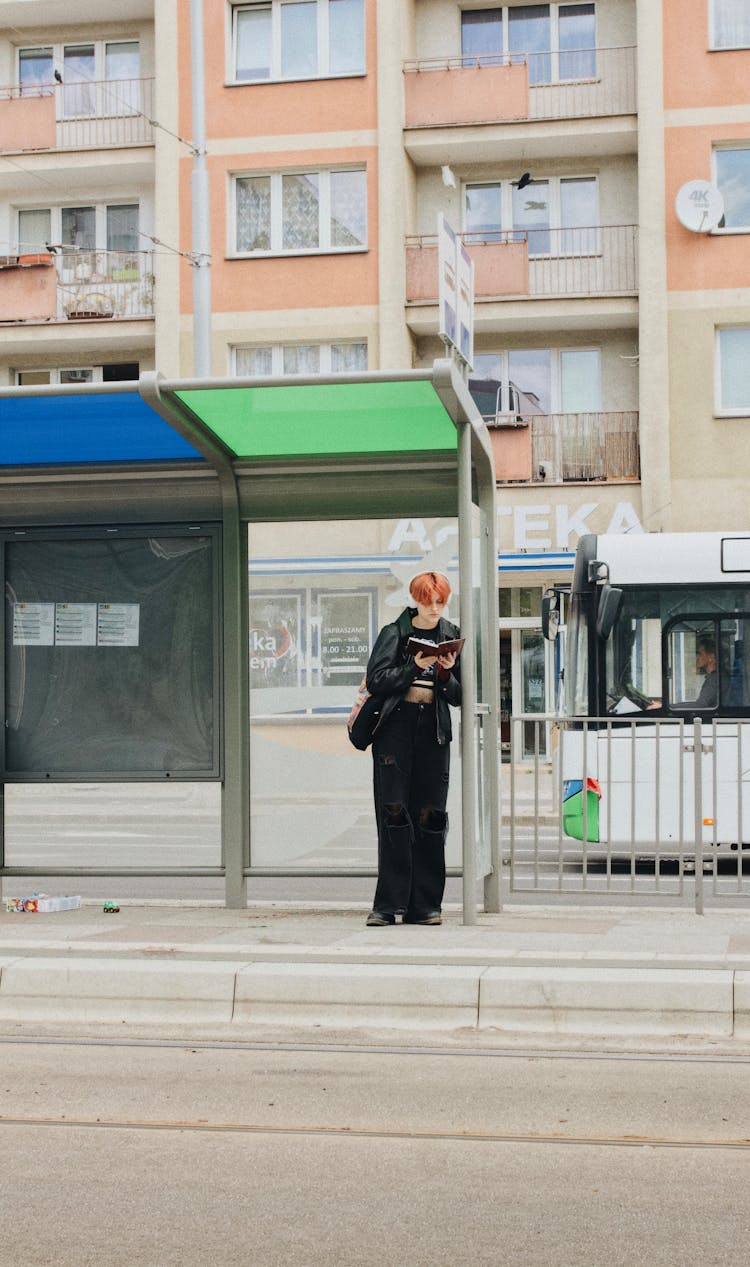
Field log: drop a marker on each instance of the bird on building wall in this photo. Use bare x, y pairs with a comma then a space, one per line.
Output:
524, 180
58, 76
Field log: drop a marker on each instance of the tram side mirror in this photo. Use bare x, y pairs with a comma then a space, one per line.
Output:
607, 611
550, 614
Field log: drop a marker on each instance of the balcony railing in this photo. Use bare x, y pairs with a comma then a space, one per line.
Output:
76, 286
534, 263
584, 446
517, 87
103, 284
77, 116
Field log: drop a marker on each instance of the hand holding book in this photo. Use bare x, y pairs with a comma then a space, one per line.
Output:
452, 646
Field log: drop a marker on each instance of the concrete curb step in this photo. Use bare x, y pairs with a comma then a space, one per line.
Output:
591, 1001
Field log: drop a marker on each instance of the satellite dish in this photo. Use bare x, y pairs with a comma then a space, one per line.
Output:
699, 206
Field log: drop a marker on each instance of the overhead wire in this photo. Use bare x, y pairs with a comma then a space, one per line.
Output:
115, 97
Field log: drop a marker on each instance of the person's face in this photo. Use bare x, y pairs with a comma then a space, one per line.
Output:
705, 660
431, 611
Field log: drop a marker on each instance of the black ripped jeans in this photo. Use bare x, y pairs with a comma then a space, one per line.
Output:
411, 771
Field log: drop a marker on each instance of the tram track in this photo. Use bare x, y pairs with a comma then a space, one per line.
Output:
348, 1132
376, 1049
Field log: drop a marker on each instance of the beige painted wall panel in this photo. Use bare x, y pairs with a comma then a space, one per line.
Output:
705, 504
438, 28
702, 445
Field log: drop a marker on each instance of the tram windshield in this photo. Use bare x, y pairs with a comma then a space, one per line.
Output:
680, 650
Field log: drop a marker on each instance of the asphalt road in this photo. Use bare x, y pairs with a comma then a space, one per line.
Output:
279, 1155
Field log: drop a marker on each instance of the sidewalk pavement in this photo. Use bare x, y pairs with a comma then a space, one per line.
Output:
598, 973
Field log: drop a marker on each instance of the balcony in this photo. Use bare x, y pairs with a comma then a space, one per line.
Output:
599, 260
589, 83
78, 116
538, 97
567, 448
76, 286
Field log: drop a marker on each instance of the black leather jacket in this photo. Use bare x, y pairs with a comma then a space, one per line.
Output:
390, 672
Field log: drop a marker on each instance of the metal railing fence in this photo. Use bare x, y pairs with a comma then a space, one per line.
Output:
628, 808
94, 114
582, 83
117, 284
584, 261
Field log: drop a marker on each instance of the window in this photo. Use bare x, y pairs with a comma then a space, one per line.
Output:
78, 231
528, 381
82, 67
730, 24
558, 216
680, 649
300, 358
733, 370
301, 211
116, 373
559, 40
35, 71
482, 36
297, 39
706, 666
34, 231
732, 168
577, 41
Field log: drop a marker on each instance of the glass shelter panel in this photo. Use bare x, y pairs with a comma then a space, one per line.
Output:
111, 693
110, 656
319, 593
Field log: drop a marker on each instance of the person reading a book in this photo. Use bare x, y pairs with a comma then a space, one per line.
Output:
415, 669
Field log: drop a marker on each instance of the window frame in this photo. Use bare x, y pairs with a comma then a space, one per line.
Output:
100, 220
54, 372
57, 50
722, 148
713, 47
276, 227
554, 52
277, 353
556, 352
721, 411
554, 190
275, 76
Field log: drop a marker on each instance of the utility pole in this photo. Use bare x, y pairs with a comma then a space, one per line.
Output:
201, 229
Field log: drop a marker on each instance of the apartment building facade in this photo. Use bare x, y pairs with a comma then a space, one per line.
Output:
611, 343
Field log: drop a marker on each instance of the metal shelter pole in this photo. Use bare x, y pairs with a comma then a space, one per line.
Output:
491, 690
478, 460
468, 677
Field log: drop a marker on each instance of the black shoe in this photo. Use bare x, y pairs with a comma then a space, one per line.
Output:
433, 918
378, 919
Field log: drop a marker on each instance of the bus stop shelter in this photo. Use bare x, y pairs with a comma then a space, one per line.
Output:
106, 689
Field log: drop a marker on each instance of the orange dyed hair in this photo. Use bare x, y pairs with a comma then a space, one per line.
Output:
427, 584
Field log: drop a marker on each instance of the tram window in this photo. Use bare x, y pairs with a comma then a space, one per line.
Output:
634, 665
708, 664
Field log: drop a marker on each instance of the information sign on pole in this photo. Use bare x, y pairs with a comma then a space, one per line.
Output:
455, 293
447, 283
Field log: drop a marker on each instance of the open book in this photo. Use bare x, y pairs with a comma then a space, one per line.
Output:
415, 645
